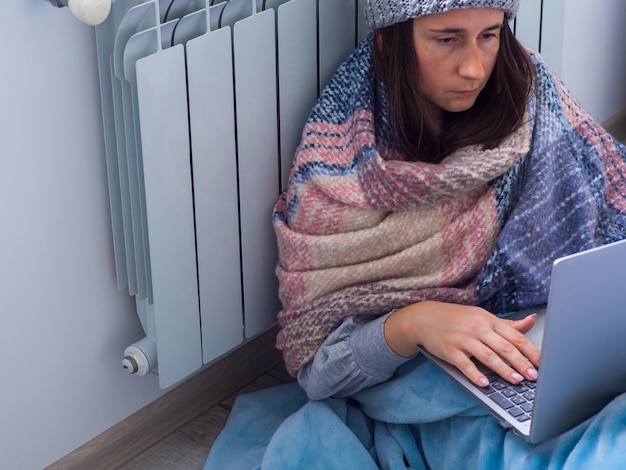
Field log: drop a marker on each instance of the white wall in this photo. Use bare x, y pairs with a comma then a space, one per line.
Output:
593, 60
63, 322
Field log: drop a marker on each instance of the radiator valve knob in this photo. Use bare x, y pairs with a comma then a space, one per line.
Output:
140, 358
130, 364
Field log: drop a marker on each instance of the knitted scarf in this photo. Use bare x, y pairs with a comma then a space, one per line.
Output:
362, 232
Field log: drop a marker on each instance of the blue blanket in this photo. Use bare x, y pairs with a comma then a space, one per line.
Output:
418, 420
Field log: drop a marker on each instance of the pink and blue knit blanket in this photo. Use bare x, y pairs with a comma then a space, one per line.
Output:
363, 231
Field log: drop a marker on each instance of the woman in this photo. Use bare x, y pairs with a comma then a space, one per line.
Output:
442, 171
454, 79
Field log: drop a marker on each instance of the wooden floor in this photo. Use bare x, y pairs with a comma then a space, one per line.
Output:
187, 448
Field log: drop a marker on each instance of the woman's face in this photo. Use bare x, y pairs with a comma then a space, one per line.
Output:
456, 53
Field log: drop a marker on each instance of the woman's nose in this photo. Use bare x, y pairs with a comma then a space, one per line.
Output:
471, 66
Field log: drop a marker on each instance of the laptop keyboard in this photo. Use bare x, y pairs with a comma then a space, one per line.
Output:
517, 400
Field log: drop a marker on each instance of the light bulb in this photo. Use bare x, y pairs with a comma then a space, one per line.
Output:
92, 12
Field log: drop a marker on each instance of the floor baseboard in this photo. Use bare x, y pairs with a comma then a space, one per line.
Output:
146, 427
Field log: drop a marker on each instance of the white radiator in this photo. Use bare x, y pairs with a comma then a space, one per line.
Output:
203, 105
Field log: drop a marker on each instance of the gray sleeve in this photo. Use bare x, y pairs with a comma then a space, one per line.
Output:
354, 356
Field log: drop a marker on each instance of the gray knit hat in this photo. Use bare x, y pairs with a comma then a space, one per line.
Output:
381, 13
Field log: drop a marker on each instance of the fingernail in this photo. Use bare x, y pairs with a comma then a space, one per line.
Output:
532, 373
484, 381
517, 377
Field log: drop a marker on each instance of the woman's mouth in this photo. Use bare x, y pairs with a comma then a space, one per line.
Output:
468, 93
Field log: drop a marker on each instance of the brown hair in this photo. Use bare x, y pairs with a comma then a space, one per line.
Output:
420, 135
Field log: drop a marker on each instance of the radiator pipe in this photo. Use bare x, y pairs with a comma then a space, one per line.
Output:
140, 357
92, 12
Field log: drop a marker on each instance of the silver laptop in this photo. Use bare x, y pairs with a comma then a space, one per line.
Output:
582, 336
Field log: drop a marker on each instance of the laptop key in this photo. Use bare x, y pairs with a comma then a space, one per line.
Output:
527, 407
498, 385
508, 392
500, 400
515, 412
518, 400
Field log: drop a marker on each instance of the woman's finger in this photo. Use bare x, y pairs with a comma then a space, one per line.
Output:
505, 356
513, 333
525, 324
468, 368
495, 359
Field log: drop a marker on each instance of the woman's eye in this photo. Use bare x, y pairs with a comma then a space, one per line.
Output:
447, 40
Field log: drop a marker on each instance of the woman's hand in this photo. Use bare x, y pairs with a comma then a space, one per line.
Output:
456, 333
